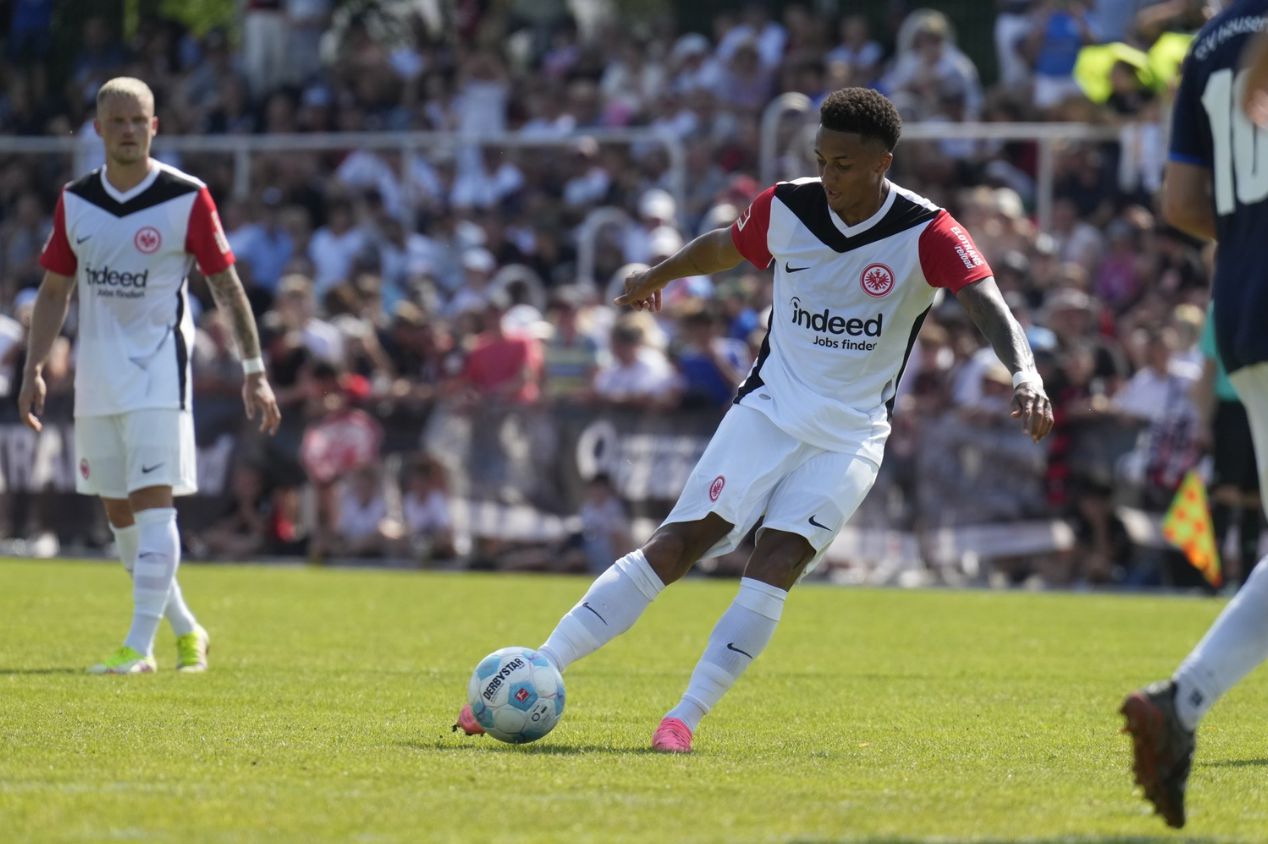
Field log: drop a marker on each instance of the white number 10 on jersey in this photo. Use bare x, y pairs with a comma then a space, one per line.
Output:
1241, 149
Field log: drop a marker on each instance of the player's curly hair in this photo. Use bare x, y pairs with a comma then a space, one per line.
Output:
864, 111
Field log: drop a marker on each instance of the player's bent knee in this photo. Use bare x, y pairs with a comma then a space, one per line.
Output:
676, 547
779, 558
118, 512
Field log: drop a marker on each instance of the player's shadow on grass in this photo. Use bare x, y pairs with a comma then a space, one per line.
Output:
1236, 763
17, 671
493, 746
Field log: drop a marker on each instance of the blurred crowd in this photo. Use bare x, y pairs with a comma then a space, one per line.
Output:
387, 285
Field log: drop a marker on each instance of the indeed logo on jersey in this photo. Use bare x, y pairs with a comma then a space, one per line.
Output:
825, 322
108, 282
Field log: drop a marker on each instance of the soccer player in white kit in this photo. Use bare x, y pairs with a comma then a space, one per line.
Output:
125, 236
857, 263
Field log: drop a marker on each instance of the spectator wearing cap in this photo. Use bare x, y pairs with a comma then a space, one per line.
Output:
929, 66
502, 366
638, 375
264, 245
478, 266
692, 67
656, 209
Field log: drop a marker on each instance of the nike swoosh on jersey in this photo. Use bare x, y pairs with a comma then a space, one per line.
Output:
789, 268
816, 524
80, 240
145, 470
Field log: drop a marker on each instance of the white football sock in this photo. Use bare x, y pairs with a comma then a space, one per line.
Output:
739, 636
610, 607
158, 556
1235, 644
177, 611
125, 540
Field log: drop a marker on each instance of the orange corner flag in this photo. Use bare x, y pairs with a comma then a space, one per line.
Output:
1188, 527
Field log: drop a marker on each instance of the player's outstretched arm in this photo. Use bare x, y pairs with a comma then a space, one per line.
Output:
986, 307
51, 304
711, 252
257, 395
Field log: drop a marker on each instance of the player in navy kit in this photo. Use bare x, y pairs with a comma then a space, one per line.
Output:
1216, 186
857, 263
125, 236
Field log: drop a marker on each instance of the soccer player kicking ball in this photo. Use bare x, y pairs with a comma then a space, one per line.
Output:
1215, 188
858, 261
125, 235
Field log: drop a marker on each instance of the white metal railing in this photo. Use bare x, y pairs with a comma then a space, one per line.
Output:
1047, 136
242, 147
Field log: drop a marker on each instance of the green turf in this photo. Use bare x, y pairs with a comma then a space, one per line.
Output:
873, 716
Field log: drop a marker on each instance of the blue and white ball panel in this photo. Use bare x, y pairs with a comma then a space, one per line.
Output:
516, 694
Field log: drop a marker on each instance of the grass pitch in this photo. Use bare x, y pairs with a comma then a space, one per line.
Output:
873, 716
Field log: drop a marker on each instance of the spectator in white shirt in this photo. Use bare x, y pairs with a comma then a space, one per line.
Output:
335, 247
363, 528
638, 375
426, 512
297, 311
857, 50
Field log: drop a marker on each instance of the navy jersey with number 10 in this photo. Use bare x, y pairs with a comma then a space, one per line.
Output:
1210, 130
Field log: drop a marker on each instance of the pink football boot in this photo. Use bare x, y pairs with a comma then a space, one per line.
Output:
672, 736
468, 724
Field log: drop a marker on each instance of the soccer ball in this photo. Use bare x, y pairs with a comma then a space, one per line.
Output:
516, 694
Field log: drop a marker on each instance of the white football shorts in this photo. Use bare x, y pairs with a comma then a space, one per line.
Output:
125, 452
753, 470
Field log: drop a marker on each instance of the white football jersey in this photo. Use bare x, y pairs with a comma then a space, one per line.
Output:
848, 302
131, 254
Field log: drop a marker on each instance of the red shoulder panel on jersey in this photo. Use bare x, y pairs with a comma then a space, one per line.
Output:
749, 231
57, 256
948, 255
206, 238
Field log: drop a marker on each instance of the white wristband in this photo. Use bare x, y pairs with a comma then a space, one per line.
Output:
1027, 376
252, 366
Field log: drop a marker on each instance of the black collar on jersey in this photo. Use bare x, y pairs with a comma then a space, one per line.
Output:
808, 201
166, 187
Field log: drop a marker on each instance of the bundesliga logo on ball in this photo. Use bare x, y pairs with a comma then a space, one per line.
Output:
516, 694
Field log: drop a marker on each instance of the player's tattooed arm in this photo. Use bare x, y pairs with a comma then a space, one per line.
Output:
227, 290
985, 305
257, 394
